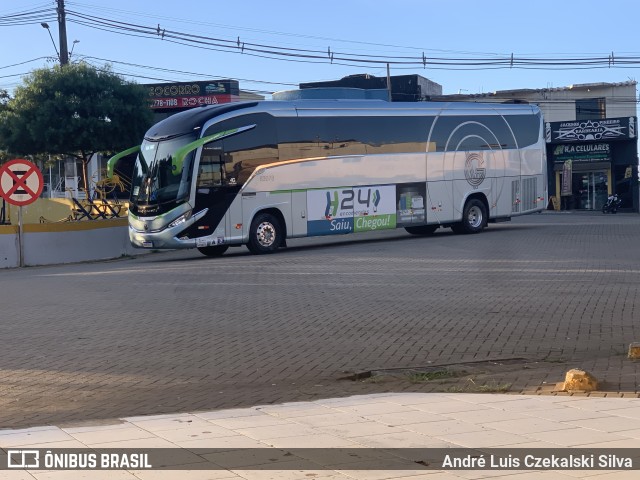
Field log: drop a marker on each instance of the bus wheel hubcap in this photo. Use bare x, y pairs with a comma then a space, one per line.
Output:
475, 217
266, 234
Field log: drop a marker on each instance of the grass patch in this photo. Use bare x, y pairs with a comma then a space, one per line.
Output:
422, 377
494, 388
374, 379
473, 387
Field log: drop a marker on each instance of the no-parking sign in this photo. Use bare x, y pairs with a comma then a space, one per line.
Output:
21, 182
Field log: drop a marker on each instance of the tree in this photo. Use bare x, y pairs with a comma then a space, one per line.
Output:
4, 99
75, 110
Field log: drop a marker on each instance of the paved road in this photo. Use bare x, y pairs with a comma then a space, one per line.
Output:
511, 308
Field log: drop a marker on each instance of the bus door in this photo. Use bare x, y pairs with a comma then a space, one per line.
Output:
216, 192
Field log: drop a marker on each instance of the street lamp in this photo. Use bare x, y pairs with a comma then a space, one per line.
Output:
46, 26
72, 47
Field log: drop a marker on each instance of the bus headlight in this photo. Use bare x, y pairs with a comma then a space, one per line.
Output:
180, 220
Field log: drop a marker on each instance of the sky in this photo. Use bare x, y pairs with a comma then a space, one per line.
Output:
359, 30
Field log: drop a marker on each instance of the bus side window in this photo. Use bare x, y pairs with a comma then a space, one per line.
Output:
211, 170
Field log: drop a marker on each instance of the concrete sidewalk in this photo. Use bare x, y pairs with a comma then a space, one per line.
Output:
392, 420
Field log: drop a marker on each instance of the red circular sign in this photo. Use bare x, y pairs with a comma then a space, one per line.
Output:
21, 182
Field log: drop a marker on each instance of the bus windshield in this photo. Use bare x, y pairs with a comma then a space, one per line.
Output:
153, 181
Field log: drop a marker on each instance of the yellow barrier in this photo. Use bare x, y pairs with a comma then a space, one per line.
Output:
53, 210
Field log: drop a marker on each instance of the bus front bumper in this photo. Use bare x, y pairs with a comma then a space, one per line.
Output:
163, 239
171, 237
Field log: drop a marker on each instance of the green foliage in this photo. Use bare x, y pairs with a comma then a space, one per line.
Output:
4, 99
421, 377
76, 110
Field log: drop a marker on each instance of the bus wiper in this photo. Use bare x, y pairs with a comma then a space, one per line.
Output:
178, 157
114, 160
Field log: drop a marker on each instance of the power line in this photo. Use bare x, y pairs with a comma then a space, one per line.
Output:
191, 74
346, 58
156, 17
27, 17
23, 63
276, 52
182, 72
164, 79
262, 50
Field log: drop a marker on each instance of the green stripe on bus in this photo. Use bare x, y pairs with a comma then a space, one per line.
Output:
288, 191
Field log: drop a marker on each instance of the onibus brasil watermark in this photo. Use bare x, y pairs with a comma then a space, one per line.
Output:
72, 460
577, 458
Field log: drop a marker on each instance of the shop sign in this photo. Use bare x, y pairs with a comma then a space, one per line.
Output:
567, 171
187, 102
186, 89
582, 152
191, 94
606, 129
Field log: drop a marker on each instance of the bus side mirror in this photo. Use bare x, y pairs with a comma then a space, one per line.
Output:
114, 160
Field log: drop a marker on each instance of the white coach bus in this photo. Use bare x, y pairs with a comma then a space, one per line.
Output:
257, 173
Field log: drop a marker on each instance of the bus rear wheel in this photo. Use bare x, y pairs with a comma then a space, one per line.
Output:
213, 251
265, 235
474, 217
421, 229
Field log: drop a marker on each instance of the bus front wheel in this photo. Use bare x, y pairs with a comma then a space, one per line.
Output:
265, 235
213, 251
474, 218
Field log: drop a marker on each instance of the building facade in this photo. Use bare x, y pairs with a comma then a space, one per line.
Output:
592, 141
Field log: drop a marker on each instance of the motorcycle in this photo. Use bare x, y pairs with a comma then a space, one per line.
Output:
612, 205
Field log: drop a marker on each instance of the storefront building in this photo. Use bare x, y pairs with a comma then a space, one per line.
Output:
590, 160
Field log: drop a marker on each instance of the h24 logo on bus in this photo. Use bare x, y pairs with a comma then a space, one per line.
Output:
355, 209
351, 202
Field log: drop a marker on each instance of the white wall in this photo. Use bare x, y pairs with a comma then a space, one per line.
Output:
8, 248
50, 244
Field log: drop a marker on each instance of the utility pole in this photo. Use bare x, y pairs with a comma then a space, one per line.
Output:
62, 30
388, 83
